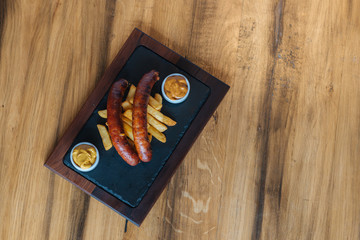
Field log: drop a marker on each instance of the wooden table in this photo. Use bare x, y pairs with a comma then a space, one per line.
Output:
278, 160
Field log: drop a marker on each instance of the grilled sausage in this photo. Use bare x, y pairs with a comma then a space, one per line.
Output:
116, 128
141, 100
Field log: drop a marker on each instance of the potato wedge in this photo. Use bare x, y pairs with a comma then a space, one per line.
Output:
151, 120
152, 101
103, 113
150, 137
161, 117
158, 98
128, 114
127, 120
128, 131
131, 93
131, 142
156, 134
156, 123
153, 132
126, 105
105, 137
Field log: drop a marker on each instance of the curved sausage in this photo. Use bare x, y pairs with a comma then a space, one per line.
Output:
141, 100
116, 128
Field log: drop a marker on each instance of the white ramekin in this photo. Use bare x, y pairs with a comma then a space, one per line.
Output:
178, 100
96, 160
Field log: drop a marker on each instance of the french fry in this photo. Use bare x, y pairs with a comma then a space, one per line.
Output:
159, 116
103, 113
152, 101
131, 93
151, 120
128, 114
126, 105
105, 137
128, 131
156, 134
150, 137
127, 120
158, 97
156, 123
153, 132
156, 113
131, 142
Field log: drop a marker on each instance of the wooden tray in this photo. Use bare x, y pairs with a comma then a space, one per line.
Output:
136, 209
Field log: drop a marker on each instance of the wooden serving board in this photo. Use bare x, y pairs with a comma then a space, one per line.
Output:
136, 209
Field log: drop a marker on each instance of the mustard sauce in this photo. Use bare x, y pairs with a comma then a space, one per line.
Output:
175, 87
84, 156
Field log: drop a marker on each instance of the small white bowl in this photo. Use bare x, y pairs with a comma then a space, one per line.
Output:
178, 100
96, 160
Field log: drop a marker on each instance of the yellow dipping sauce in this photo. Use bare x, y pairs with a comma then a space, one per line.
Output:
84, 156
175, 87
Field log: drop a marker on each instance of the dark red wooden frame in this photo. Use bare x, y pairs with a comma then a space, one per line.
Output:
137, 214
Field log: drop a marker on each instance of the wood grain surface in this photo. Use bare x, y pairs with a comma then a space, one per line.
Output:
278, 160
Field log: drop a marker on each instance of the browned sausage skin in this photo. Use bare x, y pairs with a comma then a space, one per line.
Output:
116, 128
141, 100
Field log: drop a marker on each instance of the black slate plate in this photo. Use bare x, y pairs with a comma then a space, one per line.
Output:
139, 54
130, 184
